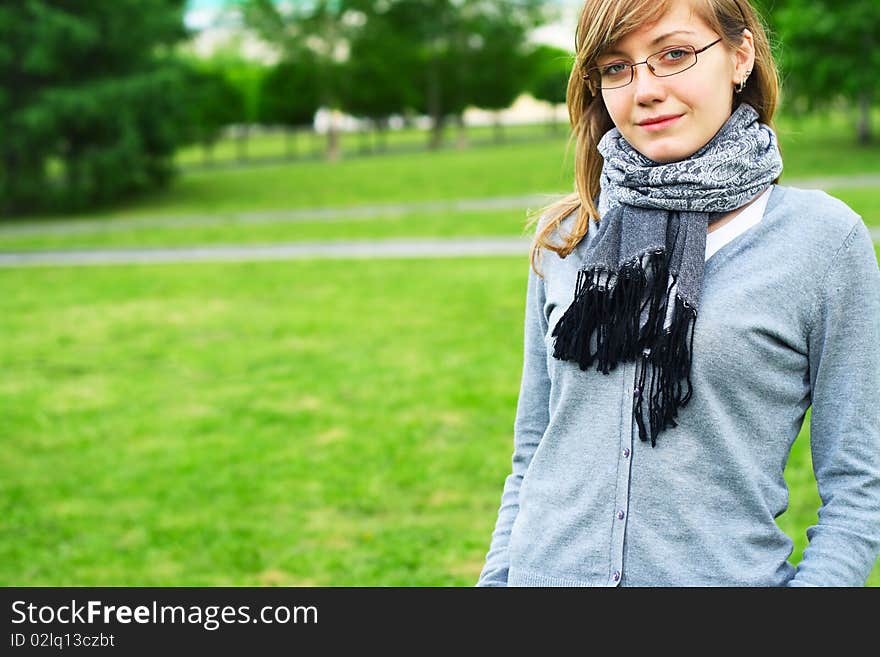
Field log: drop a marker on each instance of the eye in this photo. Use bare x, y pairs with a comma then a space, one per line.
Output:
609, 69
680, 53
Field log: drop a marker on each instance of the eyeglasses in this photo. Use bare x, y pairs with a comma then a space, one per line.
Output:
662, 64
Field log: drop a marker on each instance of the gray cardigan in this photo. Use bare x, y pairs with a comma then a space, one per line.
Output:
789, 317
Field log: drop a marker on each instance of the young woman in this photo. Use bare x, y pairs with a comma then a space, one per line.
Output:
688, 311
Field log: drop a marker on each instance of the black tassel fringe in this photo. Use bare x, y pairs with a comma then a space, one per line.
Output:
608, 316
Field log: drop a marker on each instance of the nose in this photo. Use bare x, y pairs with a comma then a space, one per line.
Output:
646, 86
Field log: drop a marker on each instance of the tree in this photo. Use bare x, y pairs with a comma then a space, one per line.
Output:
551, 69
437, 40
288, 95
468, 51
91, 86
378, 79
312, 30
499, 67
212, 102
375, 57
246, 77
831, 51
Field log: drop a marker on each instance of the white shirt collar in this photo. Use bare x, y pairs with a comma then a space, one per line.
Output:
739, 224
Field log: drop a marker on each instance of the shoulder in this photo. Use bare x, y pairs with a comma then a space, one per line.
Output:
817, 217
822, 236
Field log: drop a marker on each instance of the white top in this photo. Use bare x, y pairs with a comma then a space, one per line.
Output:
739, 224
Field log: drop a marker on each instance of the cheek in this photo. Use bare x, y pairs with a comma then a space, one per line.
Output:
710, 109
709, 91
618, 110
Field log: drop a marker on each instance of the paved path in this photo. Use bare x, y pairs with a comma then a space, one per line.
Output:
388, 248
380, 248
112, 225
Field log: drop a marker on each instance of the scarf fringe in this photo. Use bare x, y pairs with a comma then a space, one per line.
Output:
606, 311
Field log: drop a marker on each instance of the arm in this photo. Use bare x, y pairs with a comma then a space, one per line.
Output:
532, 417
844, 357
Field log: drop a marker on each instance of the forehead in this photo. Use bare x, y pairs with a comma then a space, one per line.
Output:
679, 24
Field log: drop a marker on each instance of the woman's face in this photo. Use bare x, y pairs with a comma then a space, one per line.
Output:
702, 95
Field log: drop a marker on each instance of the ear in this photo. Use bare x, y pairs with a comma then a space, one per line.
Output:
744, 57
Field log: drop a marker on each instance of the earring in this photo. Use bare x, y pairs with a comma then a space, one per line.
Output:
742, 84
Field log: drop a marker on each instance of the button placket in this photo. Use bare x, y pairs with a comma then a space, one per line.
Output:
623, 475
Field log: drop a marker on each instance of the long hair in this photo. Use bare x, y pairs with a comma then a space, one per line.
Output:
602, 23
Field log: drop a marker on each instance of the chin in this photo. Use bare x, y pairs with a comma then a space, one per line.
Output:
665, 155
662, 157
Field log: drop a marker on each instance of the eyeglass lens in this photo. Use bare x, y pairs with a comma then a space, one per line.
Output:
619, 74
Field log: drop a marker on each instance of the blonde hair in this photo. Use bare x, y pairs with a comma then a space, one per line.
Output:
601, 24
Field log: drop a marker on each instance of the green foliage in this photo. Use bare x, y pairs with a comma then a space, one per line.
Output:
551, 69
379, 78
434, 57
212, 103
288, 93
311, 31
94, 92
831, 51
245, 77
469, 52
497, 63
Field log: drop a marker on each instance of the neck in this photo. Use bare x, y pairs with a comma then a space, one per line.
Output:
729, 217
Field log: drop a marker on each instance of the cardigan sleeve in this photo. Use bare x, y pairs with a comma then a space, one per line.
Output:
844, 363
532, 417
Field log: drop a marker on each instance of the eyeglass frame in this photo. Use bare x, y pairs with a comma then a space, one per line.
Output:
632, 67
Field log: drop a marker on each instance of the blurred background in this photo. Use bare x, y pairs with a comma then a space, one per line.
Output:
263, 267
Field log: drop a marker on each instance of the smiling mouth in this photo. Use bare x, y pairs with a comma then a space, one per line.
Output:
659, 125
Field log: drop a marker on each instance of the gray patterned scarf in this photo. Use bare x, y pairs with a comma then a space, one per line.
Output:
650, 248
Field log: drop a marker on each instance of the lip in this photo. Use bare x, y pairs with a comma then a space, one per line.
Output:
662, 122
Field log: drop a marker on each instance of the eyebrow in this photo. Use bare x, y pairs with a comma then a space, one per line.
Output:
653, 42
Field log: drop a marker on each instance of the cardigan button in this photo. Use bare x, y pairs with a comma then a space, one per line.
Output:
616, 576
626, 451
637, 392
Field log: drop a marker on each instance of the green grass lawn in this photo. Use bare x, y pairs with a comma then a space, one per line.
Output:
513, 169
810, 149
271, 143
273, 423
508, 169
293, 423
230, 231
290, 423
274, 144
865, 201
